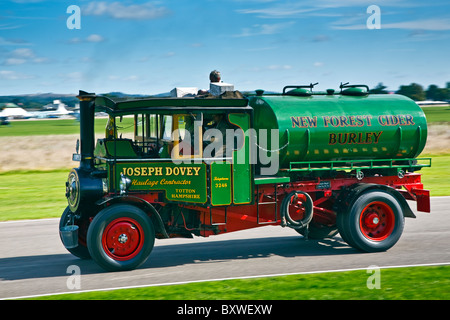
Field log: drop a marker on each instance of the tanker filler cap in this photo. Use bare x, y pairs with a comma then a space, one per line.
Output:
299, 90
354, 89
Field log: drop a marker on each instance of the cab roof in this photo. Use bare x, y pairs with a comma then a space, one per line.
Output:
229, 101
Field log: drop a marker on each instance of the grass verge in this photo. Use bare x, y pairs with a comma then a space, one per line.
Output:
412, 283
32, 194
435, 178
437, 114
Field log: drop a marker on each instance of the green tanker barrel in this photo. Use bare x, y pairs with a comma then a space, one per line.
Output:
326, 127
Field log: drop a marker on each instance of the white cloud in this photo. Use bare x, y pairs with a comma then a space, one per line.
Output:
279, 67
132, 78
14, 61
75, 76
277, 12
13, 42
27, 1
425, 24
12, 75
23, 55
9, 27
362, 3
264, 29
124, 78
118, 10
169, 54
95, 38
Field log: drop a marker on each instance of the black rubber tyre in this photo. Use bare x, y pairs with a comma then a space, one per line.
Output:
81, 251
121, 237
374, 222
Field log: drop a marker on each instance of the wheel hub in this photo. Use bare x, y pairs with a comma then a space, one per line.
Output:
372, 220
122, 238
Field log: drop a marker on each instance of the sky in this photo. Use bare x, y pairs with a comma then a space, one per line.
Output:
150, 47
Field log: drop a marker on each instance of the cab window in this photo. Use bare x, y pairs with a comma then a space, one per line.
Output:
187, 136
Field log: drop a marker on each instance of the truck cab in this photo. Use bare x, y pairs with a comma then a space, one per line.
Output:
162, 155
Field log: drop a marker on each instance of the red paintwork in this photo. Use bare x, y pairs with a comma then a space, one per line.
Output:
245, 217
223, 219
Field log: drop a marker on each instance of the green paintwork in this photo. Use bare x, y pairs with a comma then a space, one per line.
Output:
107, 148
137, 106
242, 173
181, 182
324, 127
220, 183
404, 164
271, 180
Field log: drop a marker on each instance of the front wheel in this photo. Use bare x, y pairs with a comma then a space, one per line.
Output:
120, 237
374, 222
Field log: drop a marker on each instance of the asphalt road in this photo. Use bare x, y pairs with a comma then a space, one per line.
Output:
33, 260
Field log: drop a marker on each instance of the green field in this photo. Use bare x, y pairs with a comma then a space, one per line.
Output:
56, 126
435, 178
32, 194
413, 283
437, 114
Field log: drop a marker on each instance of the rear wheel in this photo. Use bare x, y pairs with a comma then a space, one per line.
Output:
374, 222
121, 237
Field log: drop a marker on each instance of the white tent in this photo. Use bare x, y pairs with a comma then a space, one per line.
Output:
15, 112
61, 110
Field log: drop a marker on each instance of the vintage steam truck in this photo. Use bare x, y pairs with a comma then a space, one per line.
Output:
321, 163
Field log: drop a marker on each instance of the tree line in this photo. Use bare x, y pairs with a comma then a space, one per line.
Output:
417, 92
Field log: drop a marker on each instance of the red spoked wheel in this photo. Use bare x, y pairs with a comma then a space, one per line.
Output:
373, 222
121, 237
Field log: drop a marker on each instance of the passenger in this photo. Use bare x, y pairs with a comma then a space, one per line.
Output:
219, 123
214, 76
